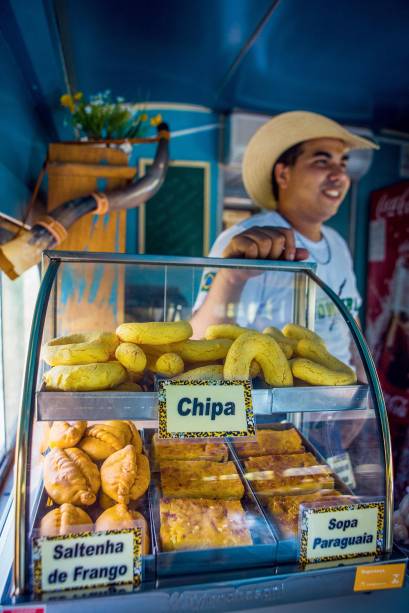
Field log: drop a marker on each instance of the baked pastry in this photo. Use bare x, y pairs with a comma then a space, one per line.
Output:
285, 509
45, 436
125, 475
65, 434
271, 441
288, 474
200, 479
104, 438
173, 449
104, 501
66, 519
202, 524
119, 517
71, 476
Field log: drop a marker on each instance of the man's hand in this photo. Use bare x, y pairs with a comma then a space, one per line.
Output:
265, 243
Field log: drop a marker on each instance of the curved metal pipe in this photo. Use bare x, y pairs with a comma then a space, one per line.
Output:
25, 250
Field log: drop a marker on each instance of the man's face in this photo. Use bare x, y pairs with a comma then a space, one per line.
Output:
317, 183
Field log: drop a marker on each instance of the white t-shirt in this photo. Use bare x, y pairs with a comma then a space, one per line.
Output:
267, 300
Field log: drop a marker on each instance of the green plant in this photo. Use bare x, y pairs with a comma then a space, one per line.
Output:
101, 117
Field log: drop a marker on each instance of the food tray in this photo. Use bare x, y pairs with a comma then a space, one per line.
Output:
44, 504
287, 547
58, 406
147, 435
185, 562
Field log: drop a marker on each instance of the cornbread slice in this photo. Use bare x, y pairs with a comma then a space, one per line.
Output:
288, 474
202, 524
285, 509
200, 479
271, 442
187, 450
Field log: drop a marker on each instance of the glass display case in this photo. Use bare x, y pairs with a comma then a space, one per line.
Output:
221, 507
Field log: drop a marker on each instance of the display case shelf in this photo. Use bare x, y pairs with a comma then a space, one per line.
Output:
56, 406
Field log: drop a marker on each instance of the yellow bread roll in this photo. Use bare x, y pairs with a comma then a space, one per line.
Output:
286, 344
125, 475
158, 350
155, 333
265, 351
168, 364
317, 374
131, 356
279, 336
66, 519
296, 332
318, 353
80, 348
66, 434
104, 438
203, 350
212, 372
231, 331
85, 377
71, 476
119, 517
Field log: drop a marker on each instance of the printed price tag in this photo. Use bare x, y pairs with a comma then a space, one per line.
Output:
341, 532
197, 409
341, 464
382, 577
86, 560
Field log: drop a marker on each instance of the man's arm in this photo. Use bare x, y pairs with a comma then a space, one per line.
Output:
257, 243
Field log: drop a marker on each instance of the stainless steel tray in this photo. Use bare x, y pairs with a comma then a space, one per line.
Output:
57, 406
191, 561
44, 504
287, 547
188, 562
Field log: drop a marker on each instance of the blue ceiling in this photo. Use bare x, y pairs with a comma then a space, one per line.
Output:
348, 59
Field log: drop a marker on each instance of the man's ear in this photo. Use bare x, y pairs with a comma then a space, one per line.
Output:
281, 175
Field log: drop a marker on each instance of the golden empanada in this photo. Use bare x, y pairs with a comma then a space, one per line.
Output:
125, 475
119, 517
71, 476
104, 438
104, 501
65, 434
66, 519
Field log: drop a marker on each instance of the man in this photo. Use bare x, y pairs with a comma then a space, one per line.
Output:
295, 166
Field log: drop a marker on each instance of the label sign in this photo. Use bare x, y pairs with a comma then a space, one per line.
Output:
340, 532
193, 409
90, 559
379, 577
341, 464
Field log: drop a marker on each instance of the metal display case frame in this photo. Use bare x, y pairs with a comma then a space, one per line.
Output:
50, 405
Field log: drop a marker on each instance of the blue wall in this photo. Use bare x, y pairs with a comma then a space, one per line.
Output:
23, 138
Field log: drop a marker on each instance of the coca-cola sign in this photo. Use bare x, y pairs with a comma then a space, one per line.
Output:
393, 206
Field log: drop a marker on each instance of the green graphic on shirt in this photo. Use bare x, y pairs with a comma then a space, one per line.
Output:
325, 308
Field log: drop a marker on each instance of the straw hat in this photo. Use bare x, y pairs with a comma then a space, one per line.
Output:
278, 135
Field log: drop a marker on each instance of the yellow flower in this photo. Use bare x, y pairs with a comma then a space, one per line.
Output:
67, 101
143, 117
78, 96
155, 121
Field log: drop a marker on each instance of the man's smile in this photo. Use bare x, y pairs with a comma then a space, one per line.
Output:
332, 193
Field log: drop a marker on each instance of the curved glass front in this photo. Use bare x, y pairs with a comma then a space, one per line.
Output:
320, 436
